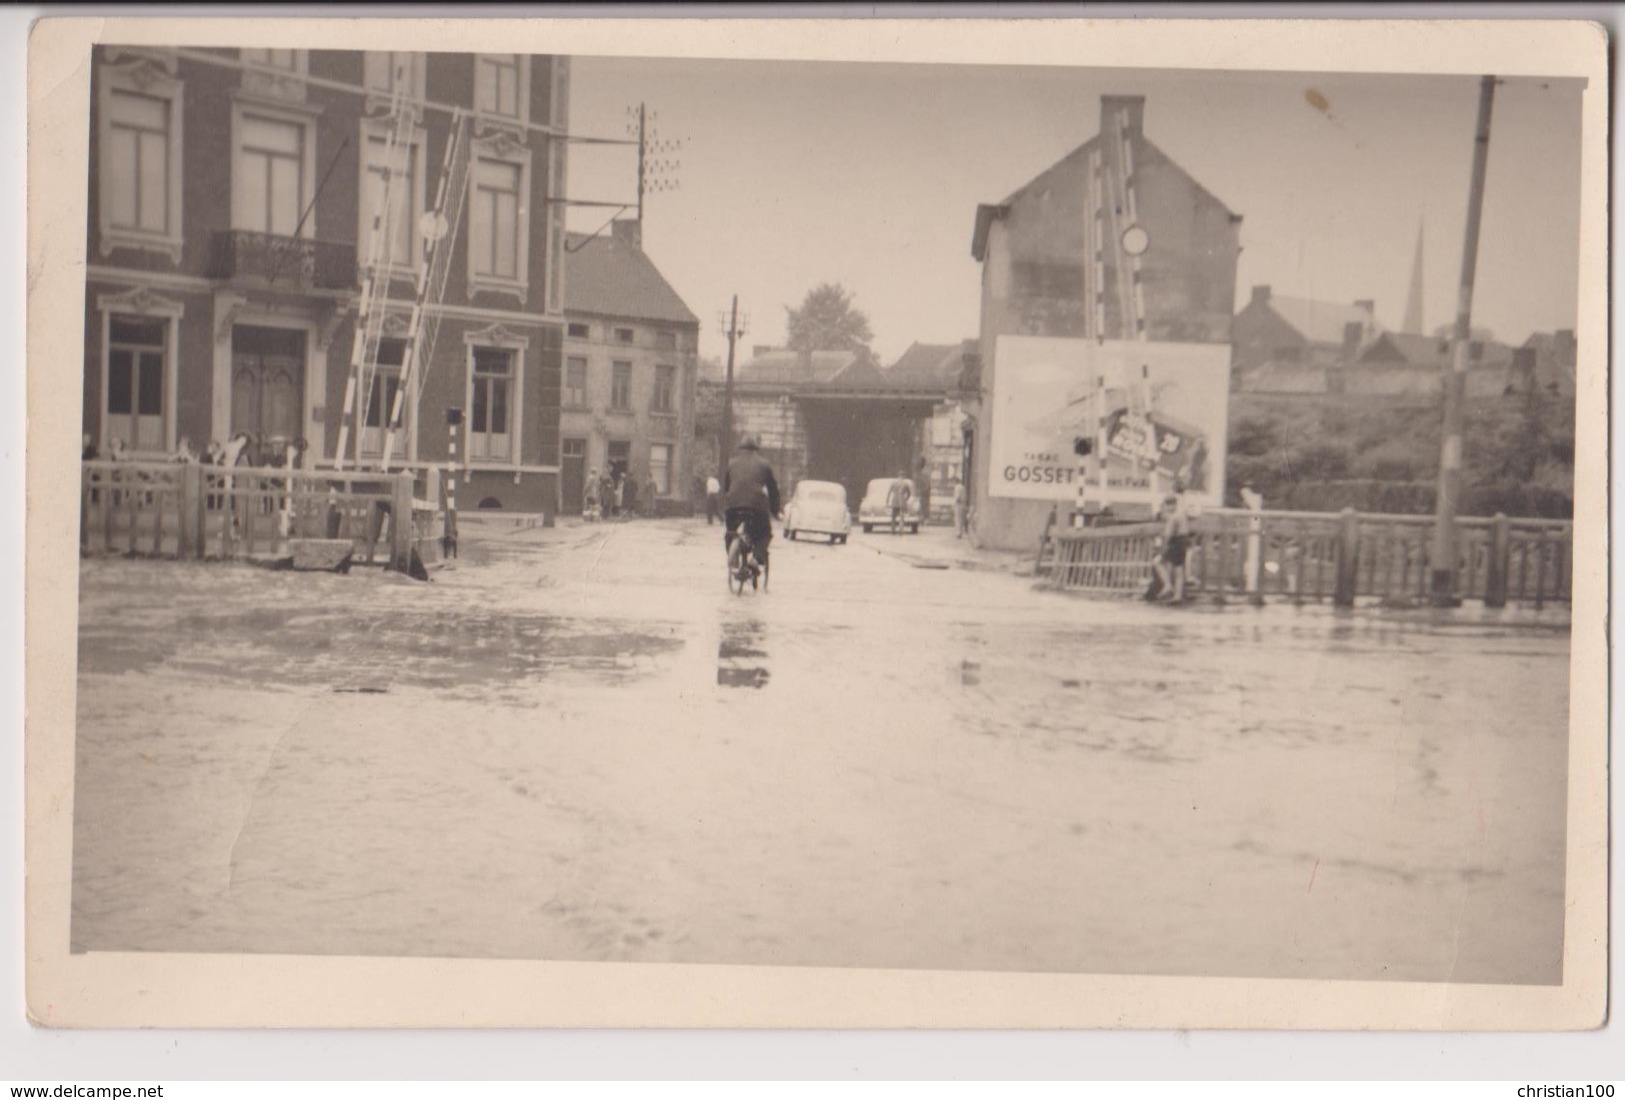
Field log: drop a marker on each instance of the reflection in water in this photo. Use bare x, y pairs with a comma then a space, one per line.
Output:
741, 642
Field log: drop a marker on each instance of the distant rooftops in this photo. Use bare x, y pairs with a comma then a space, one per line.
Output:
1316, 321
926, 370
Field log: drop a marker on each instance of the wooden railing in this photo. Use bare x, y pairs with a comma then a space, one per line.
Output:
193, 510
1314, 556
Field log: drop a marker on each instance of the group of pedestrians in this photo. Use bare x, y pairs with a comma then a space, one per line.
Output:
615, 496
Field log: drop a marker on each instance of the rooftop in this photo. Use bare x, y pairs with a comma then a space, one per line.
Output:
1320, 322
606, 275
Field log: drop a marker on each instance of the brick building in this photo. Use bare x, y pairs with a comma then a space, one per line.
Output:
1050, 270
230, 193
629, 371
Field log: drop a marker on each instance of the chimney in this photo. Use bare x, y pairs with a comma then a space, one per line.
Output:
629, 231
760, 350
1366, 305
1111, 107
1353, 336
1567, 351
1261, 296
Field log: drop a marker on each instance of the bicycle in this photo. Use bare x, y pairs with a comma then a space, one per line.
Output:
742, 567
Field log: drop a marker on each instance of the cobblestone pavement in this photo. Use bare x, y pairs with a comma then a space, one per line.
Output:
577, 744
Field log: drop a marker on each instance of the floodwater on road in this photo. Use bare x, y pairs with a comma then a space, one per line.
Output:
578, 744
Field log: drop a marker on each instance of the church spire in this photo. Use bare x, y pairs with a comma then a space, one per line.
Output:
1413, 301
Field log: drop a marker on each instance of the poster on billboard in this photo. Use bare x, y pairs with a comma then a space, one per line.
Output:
1158, 412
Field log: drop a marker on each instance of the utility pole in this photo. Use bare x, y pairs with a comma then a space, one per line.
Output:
643, 144
656, 166
733, 329
1445, 551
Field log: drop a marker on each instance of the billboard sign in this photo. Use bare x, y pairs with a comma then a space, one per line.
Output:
1158, 410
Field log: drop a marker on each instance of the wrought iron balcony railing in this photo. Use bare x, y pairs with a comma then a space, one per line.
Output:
291, 262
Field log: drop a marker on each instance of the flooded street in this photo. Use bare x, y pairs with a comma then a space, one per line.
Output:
578, 744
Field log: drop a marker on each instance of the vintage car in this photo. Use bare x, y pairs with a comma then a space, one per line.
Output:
818, 508
875, 511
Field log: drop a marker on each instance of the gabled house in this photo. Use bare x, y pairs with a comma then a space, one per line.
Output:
1063, 256
1290, 333
628, 397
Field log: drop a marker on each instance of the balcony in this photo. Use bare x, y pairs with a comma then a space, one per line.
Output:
288, 263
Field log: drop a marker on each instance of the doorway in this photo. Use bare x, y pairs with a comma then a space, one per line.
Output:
573, 471
267, 385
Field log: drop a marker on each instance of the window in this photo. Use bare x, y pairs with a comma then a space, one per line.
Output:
665, 389
287, 60
136, 353
285, 82
399, 245
660, 467
575, 381
580, 331
666, 341
620, 386
490, 432
496, 220
137, 176
270, 175
499, 239
380, 402
386, 70
574, 448
140, 159
496, 84
623, 336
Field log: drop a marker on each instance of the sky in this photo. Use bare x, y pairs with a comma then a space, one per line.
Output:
796, 173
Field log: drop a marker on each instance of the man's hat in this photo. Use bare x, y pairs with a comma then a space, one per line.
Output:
748, 443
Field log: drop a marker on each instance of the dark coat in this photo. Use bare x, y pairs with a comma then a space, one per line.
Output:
748, 477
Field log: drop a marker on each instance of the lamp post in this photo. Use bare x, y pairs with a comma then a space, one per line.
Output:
1445, 553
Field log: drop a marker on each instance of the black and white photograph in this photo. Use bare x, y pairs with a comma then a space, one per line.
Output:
989, 516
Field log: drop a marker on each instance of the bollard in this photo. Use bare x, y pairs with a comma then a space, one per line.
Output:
1499, 565
1223, 535
400, 524
1255, 560
1348, 558
191, 502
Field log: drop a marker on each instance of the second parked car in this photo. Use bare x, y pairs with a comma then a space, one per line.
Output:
875, 511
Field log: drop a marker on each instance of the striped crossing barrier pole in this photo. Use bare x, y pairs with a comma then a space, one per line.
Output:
448, 540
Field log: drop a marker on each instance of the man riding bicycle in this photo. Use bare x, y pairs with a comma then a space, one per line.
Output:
750, 498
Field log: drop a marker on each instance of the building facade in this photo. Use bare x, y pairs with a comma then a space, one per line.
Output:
830, 416
629, 374
231, 201
941, 445
1060, 259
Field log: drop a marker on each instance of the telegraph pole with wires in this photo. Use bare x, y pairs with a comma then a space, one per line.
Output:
656, 163
733, 326
1445, 547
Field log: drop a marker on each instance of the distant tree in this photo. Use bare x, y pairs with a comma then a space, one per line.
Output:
827, 321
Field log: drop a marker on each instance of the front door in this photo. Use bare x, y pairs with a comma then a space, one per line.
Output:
620, 458
573, 468
267, 385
